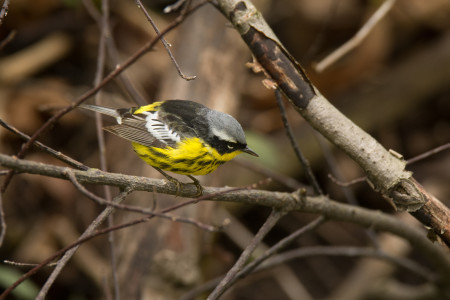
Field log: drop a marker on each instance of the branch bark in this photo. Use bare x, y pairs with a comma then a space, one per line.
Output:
296, 201
385, 169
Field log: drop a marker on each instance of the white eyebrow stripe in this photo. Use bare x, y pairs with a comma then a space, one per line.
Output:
159, 129
222, 135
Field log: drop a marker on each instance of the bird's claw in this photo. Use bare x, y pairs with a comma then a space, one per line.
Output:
198, 185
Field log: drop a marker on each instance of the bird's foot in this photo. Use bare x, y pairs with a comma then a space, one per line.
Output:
198, 185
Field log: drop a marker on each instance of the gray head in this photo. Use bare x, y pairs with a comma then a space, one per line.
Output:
225, 133
225, 127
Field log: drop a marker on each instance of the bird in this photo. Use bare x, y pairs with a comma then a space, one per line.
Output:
180, 136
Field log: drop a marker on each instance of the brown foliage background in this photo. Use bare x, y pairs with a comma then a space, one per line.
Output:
395, 85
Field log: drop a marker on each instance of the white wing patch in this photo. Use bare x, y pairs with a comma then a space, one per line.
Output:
159, 129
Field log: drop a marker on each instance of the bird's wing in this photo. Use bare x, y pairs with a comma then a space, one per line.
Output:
150, 129
136, 135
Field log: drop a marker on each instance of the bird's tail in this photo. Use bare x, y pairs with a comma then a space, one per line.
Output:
102, 109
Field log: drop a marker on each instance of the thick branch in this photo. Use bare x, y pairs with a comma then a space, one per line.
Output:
385, 171
286, 201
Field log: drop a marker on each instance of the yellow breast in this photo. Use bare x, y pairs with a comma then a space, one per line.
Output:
188, 157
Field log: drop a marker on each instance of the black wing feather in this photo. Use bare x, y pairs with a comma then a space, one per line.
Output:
136, 135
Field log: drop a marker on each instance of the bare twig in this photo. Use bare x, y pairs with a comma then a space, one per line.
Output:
92, 11
7, 39
21, 264
285, 180
351, 252
298, 291
163, 40
278, 246
348, 193
4, 11
226, 282
128, 86
346, 183
428, 153
304, 162
408, 162
145, 211
104, 35
62, 157
319, 251
357, 38
2, 221
71, 251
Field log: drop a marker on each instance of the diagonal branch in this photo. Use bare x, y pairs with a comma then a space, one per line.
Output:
358, 38
385, 169
164, 42
4, 11
230, 277
304, 162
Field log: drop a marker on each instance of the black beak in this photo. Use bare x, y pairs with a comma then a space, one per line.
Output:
250, 151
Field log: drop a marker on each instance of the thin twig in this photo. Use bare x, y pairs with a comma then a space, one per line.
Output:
70, 252
351, 252
21, 264
4, 11
357, 38
7, 39
125, 82
62, 157
408, 162
164, 42
428, 154
119, 69
281, 245
346, 183
104, 34
335, 171
2, 221
255, 263
348, 193
136, 209
285, 257
225, 283
280, 178
92, 11
305, 163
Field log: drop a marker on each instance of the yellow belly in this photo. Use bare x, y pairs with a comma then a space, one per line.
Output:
189, 157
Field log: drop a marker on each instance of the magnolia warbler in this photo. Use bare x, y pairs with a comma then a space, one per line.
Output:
180, 136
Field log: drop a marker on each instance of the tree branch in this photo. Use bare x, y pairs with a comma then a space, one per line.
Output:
230, 277
296, 201
385, 169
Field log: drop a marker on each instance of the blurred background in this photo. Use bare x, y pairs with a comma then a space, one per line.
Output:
395, 85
